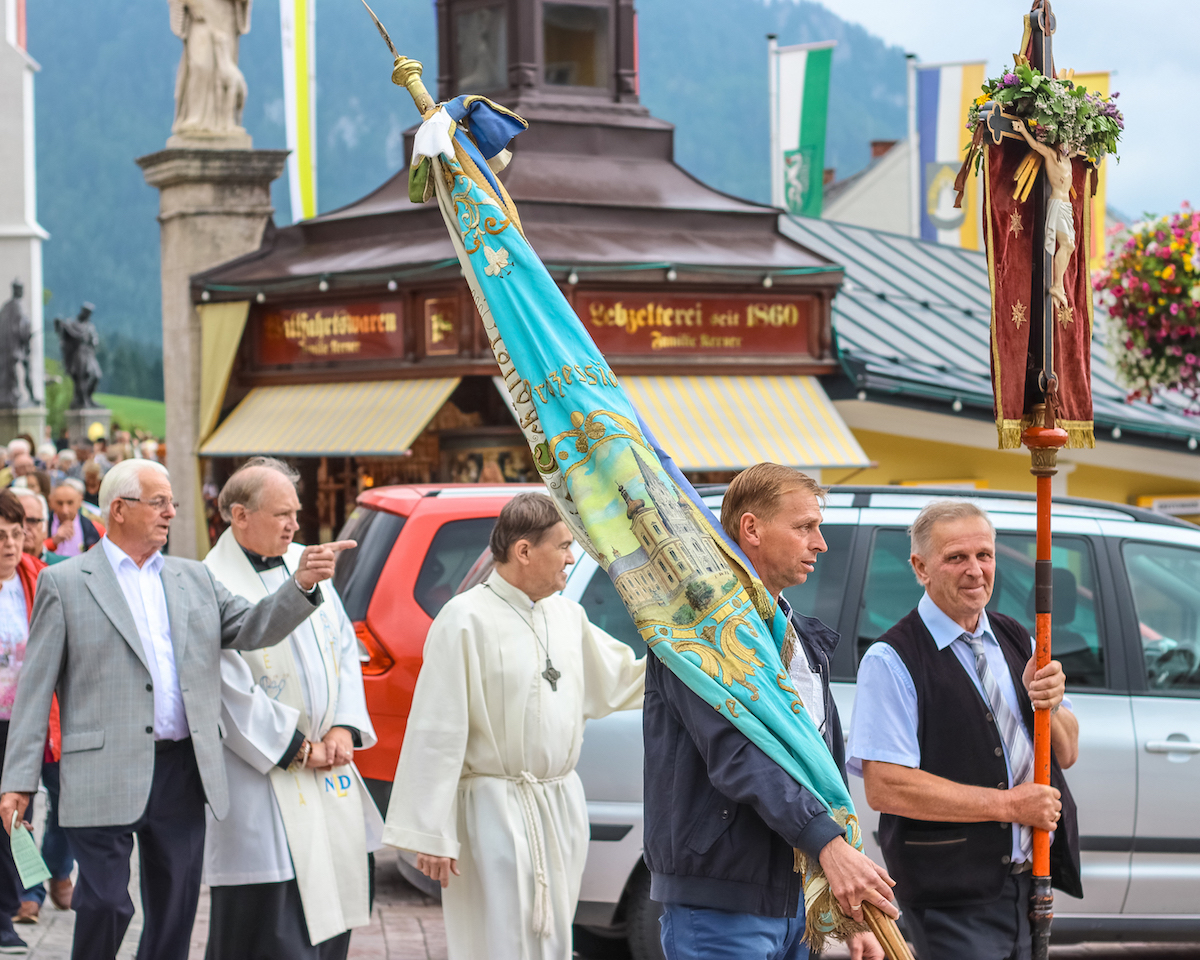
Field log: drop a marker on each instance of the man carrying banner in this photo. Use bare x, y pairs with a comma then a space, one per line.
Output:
486, 791
942, 736
722, 818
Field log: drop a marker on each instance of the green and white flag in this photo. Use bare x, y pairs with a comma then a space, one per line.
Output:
799, 108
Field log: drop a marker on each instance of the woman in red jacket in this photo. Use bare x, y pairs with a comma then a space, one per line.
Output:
18, 577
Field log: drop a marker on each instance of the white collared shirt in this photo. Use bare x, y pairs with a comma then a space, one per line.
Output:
147, 599
805, 679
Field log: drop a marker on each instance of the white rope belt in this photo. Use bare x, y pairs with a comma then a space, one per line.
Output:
537, 842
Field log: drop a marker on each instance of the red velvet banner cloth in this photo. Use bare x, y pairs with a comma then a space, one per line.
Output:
1008, 234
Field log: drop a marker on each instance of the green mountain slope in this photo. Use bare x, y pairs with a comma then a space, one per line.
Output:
105, 96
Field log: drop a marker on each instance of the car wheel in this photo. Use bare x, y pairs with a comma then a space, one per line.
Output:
641, 918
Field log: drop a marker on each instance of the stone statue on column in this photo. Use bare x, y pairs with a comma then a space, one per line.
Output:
210, 91
214, 202
16, 333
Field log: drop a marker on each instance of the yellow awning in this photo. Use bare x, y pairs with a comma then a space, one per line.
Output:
372, 418
731, 422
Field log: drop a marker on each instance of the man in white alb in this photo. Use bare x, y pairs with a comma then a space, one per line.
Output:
486, 791
288, 865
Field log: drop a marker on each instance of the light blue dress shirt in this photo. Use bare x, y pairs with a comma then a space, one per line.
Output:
883, 726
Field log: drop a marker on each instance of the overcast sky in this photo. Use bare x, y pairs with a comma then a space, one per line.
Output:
1151, 46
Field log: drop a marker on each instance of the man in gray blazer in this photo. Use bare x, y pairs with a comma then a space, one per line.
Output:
131, 640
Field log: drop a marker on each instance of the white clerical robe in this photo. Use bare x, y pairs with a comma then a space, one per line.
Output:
251, 845
487, 769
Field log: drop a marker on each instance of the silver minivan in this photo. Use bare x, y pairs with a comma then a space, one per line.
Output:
1126, 629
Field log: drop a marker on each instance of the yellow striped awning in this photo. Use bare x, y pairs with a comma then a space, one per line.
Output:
372, 418
731, 422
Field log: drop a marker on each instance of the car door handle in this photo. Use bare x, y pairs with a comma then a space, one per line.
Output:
1172, 746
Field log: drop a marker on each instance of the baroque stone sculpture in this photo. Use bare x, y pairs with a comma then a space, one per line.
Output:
210, 91
78, 340
16, 332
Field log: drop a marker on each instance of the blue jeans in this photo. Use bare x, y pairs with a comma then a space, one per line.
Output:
55, 849
701, 933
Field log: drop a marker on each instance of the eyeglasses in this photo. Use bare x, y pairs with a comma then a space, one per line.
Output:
158, 504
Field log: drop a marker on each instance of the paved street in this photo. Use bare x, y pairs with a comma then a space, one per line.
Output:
408, 926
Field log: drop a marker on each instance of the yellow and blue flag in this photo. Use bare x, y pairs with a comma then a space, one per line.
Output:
944, 95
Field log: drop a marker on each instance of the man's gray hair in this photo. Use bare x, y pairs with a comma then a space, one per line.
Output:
125, 480
16, 446
941, 511
77, 485
26, 494
245, 486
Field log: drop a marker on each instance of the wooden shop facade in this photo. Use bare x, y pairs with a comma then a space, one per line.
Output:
350, 343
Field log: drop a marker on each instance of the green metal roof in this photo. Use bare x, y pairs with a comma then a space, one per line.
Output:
912, 319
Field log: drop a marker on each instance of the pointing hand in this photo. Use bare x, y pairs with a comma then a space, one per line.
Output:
317, 562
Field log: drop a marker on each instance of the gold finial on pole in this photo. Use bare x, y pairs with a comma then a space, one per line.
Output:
406, 72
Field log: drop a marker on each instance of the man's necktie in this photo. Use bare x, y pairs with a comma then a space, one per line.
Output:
1016, 741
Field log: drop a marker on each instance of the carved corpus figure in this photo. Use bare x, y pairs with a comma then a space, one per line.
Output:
78, 341
210, 90
1060, 216
16, 331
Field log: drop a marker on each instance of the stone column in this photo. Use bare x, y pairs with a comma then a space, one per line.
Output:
213, 206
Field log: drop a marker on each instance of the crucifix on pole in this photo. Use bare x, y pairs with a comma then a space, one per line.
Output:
1043, 438
1037, 139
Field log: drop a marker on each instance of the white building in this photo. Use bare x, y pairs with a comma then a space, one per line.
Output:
879, 196
20, 234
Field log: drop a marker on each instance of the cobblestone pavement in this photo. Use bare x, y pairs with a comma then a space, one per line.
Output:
406, 925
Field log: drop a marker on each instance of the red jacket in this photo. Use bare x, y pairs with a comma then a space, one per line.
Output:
28, 569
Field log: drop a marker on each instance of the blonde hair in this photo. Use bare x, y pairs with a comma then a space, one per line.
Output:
758, 490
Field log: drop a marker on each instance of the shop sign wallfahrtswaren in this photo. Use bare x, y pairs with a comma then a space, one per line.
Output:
360, 331
649, 324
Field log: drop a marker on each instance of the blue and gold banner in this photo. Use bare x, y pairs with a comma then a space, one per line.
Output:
692, 593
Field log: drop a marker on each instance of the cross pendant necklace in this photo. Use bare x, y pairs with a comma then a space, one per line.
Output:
550, 674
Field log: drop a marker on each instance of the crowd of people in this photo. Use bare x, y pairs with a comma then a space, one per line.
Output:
213, 709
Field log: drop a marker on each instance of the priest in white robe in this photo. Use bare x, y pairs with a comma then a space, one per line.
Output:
486, 792
288, 866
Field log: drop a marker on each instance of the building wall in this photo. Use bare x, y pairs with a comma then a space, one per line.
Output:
20, 235
880, 199
905, 459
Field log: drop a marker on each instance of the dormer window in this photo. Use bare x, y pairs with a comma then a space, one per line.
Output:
575, 45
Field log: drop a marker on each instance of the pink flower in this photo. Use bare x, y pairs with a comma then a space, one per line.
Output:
1191, 358
1174, 308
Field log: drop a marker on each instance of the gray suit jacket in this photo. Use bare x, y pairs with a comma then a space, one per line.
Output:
83, 643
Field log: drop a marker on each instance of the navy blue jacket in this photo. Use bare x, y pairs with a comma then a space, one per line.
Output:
722, 818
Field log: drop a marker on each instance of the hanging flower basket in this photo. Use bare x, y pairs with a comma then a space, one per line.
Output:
1056, 110
1151, 288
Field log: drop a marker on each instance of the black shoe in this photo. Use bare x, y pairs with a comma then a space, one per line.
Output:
11, 943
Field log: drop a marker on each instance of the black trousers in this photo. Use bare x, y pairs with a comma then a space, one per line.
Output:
265, 921
991, 931
170, 836
11, 887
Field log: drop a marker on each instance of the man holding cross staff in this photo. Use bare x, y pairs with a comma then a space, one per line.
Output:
1036, 129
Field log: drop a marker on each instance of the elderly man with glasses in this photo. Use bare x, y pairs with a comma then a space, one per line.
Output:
130, 640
